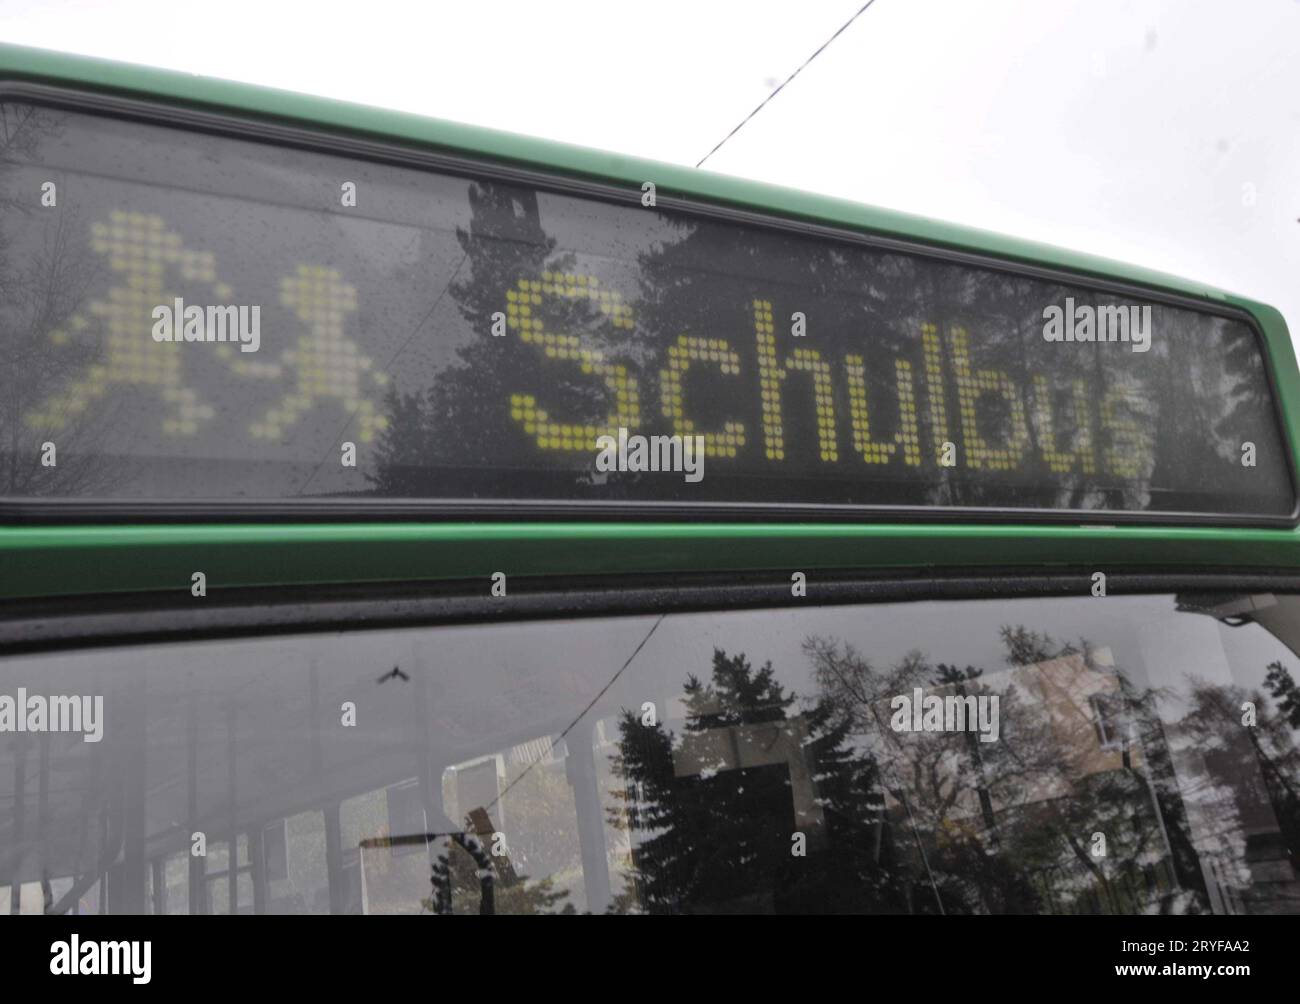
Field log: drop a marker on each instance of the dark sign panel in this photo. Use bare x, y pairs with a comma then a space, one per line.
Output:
191, 318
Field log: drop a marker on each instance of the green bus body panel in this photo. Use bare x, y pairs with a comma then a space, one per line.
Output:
65, 560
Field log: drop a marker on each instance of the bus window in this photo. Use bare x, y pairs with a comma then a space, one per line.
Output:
1117, 755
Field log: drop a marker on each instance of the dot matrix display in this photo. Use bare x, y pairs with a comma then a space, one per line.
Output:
475, 339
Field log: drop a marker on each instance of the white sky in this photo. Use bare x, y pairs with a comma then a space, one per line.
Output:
1126, 128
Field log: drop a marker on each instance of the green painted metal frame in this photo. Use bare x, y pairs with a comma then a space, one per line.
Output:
47, 561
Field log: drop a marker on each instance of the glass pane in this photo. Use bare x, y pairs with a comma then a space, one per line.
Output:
200, 317
1067, 755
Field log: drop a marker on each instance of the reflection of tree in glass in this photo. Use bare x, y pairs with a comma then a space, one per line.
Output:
1256, 822
38, 297
463, 419
1281, 761
942, 786
1281, 684
1247, 397
703, 284
1007, 826
715, 809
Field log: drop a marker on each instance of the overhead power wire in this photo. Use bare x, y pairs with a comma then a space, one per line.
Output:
763, 104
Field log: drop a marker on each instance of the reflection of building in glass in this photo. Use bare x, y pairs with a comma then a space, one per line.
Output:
1070, 763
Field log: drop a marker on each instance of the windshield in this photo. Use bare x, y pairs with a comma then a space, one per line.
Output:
1067, 755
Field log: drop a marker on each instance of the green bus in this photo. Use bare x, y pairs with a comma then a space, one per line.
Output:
403, 517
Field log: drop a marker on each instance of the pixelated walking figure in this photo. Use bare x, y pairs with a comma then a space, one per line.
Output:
326, 362
141, 249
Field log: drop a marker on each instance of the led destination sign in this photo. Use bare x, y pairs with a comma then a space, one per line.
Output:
199, 318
